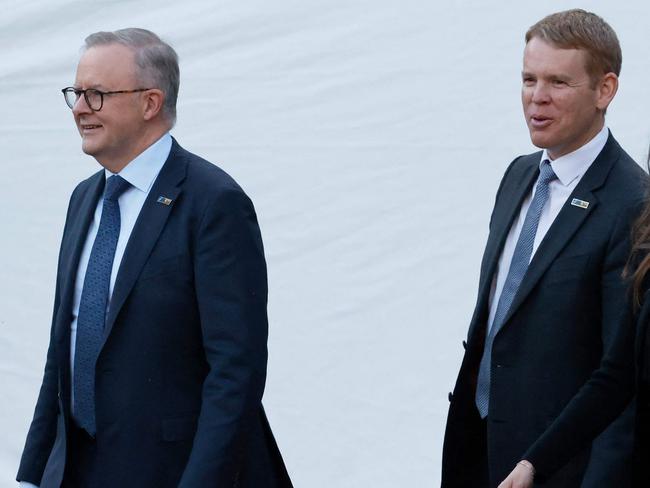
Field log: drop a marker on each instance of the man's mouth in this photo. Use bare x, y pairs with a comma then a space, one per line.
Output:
89, 127
539, 121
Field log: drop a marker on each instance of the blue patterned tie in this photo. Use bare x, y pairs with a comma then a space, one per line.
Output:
518, 266
92, 306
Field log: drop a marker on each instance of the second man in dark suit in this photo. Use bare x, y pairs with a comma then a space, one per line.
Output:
548, 361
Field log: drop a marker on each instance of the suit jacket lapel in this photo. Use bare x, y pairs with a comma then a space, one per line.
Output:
148, 226
77, 225
75, 238
511, 197
567, 222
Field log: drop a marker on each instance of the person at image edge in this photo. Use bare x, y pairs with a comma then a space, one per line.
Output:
548, 365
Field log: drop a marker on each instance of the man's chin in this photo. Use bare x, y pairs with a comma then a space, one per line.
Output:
539, 140
88, 147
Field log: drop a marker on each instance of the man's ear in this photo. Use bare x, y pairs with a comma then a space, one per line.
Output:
152, 103
606, 89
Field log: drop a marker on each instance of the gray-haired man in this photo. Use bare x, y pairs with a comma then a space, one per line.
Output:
157, 358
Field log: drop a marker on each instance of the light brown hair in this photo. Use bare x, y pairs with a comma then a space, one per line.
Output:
579, 29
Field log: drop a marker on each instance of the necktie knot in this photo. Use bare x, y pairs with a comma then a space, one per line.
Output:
115, 186
546, 173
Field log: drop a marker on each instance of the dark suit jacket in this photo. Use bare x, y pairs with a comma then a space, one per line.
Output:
180, 376
561, 363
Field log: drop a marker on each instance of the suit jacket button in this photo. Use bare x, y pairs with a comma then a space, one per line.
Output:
451, 396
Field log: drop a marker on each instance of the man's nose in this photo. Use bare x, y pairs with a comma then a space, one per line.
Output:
540, 93
80, 106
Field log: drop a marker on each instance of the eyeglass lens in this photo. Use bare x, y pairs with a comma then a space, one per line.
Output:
93, 98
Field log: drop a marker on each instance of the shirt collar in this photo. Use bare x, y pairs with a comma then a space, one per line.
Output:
142, 171
573, 165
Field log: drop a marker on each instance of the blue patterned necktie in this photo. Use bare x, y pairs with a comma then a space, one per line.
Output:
92, 306
518, 266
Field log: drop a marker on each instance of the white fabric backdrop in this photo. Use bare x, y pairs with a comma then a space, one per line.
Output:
371, 136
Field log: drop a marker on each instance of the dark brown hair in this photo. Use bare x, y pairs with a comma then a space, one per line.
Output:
638, 266
579, 29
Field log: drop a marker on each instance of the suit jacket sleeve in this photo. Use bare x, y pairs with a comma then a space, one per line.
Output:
498, 194
610, 387
42, 431
231, 290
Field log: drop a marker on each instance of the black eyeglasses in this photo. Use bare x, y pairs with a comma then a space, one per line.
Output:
94, 98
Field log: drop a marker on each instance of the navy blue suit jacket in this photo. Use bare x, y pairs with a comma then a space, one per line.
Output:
181, 372
562, 365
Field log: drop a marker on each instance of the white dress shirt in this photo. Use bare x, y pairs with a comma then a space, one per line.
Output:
569, 169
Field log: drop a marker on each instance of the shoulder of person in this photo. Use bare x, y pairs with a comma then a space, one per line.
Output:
523, 165
204, 175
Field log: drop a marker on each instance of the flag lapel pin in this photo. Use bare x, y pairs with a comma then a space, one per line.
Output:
576, 202
164, 200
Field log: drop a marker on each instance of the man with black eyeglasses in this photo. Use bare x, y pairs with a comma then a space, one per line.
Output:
157, 357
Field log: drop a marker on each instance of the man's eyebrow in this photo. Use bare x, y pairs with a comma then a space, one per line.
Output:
97, 86
549, 76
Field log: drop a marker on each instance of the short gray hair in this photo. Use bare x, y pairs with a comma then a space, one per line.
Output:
156, 60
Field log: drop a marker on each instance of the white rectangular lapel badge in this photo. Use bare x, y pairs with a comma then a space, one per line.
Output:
576, 202
164, 200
